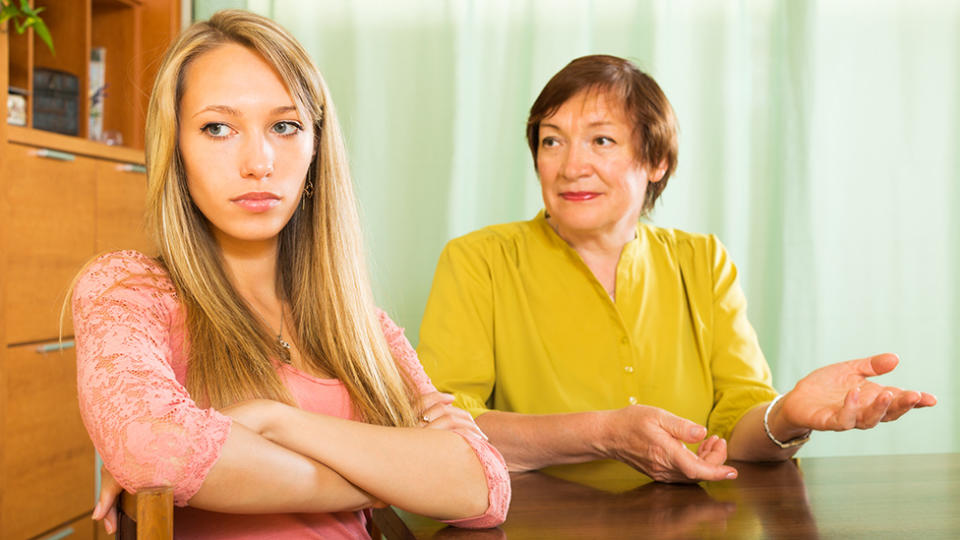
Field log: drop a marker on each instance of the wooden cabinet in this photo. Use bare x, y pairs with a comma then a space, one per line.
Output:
64, 199
132, 33
120, 197
49, 235
82, 528
48, 467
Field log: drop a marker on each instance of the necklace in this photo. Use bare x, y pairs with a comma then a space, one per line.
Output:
284, 345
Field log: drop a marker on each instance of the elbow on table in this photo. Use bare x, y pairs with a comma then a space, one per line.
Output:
486, 507
480, 516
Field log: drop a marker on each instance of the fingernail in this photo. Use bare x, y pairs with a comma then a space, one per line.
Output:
731, 475
96, 509
696, 432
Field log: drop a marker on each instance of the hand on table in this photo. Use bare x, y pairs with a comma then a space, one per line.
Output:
839, 397
439, 412
651, 440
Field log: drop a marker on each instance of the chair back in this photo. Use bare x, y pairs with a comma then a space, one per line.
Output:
146, 515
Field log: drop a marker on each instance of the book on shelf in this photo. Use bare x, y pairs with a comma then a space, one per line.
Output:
97, 88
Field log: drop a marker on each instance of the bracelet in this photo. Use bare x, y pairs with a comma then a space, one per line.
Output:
766, 427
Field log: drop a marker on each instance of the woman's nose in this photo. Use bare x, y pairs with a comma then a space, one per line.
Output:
257, 158
576, 162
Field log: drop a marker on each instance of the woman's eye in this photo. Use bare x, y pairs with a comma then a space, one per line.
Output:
549, 142
604, 141
215, 129
286, 128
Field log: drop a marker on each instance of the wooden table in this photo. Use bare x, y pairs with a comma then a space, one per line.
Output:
842, 497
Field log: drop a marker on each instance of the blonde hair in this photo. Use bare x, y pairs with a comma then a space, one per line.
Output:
321, 268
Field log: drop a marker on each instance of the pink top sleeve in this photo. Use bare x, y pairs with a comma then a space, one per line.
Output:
494, 466
143, 422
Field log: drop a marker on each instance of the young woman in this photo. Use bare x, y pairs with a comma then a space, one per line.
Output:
246, 366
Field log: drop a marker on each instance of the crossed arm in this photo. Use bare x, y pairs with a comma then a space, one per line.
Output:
271, 462
150, 432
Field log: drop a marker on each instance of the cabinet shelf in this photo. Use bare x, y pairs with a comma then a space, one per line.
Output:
133, 35
74, 145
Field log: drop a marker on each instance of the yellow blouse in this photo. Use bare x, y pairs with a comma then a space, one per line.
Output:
516, 322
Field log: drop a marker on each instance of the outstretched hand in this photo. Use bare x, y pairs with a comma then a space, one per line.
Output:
840, 396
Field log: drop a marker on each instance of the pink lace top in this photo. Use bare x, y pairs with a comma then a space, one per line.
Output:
131, 371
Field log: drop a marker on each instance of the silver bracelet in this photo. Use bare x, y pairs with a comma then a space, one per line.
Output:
766, 427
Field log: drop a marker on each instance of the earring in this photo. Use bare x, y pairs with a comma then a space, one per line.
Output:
308, 194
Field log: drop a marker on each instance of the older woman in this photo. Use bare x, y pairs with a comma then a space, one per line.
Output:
584, 334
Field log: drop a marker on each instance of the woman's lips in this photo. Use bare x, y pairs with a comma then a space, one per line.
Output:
256, 202
579, 195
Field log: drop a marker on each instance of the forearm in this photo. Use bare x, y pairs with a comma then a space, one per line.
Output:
425, 471
530, 442
749, 441
254, 475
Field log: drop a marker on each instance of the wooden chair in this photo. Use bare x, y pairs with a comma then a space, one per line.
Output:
146, 515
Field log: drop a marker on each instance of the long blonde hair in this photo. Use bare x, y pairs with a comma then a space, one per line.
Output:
321, 269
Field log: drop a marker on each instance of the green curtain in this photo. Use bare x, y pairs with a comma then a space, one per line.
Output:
819, 141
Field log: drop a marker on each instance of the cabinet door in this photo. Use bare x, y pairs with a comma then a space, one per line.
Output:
82, 528
49, 235
48, 464
121, 196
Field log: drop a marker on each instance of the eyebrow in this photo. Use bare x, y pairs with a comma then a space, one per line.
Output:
591, 124
225, 109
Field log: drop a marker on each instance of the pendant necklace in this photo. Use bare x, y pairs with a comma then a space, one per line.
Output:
284, 346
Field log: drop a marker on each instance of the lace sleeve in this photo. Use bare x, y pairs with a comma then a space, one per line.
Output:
494, 466
143, 422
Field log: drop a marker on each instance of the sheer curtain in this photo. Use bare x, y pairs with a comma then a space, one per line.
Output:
819, 141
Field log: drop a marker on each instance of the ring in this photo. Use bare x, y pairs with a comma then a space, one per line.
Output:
426, 419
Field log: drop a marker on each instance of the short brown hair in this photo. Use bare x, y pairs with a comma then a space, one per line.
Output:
643, 102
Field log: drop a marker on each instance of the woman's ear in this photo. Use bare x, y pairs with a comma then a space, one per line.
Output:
655, 175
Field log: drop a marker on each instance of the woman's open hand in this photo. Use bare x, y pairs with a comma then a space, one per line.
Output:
651, 440
840, 396
439, 412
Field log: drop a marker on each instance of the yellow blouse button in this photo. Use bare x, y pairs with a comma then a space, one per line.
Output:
632, 400
624, 340
628, 369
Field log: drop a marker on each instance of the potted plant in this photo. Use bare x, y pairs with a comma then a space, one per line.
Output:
24, 17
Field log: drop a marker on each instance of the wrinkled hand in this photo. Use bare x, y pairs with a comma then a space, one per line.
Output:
651, 440
439, 412
107, 499
839, 397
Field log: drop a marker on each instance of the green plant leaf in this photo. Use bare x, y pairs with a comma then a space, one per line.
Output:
8, 12
33, 12
41, 29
